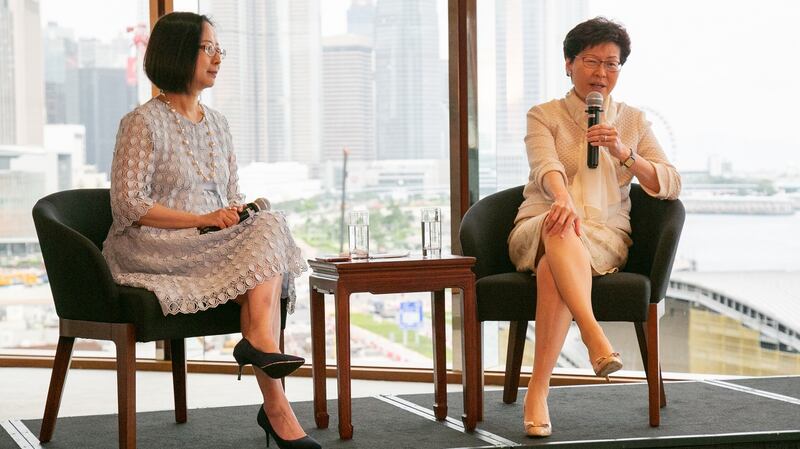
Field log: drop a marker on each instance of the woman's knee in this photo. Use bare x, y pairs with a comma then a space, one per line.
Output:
555, 242
569, 247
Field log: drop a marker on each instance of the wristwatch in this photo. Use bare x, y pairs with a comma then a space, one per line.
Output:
628, 163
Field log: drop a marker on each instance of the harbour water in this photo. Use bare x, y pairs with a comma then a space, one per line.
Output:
740, 242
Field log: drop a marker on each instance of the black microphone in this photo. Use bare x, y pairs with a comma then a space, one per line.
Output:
249, 209
594, 106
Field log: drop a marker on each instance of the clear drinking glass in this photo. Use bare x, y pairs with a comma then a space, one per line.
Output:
431, 232
358, 226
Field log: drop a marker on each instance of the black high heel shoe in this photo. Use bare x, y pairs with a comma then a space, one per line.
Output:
301, 443
274, 364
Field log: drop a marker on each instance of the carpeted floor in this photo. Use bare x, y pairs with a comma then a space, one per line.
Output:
715, 414
695, 412
377, 425
779, 385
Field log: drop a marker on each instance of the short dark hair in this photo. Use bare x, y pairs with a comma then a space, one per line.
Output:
172, 50
595, 32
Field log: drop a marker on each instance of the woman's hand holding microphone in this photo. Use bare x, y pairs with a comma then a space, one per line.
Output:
221, 218
604, 135
231, 215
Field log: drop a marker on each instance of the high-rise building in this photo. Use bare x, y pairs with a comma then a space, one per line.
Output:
305, 61
68, 142
361, 18
409, 75
105, 94
277, 73
348, 108
60, 75
269, 84
22, 91
240, 91
8, 118
98, 53
529, 71
20, 190
104, 98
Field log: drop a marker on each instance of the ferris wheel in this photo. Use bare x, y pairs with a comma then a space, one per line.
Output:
663, 131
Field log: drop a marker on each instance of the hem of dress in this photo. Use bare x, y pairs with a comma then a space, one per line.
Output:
527, 266
222, 296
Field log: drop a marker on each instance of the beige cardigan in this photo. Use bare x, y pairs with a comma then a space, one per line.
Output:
556, 141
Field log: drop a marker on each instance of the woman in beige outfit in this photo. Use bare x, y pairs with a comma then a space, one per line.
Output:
574, 222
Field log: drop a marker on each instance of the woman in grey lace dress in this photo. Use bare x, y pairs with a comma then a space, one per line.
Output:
174, 171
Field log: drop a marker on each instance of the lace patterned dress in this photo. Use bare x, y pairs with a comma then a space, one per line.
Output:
186, 270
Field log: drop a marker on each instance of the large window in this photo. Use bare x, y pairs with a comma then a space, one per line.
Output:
716, 81
69, 76
305, 84
309, 82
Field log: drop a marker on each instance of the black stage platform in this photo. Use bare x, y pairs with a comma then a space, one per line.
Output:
744, 413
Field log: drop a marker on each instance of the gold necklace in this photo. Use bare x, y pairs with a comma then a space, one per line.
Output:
209, 133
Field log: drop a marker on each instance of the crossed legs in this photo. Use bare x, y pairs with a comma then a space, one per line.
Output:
261, 325
564, 287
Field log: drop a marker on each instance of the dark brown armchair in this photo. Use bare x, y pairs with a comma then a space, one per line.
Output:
632, 295
71, 226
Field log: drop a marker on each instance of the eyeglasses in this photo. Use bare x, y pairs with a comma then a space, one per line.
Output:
212, 49
593, 63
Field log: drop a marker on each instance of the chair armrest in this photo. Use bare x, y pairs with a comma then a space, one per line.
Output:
656, 228
79, 277
484, 231
666, 248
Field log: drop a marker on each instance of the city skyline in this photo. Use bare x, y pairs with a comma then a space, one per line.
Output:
86, 78
705, 83
524, 39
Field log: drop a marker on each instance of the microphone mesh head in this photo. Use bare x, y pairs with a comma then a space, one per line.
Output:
594, 99
262, 204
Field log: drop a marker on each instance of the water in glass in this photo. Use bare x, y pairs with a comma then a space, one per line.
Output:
431, 232
358, 226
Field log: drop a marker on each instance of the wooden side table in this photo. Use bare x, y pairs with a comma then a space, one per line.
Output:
402, 275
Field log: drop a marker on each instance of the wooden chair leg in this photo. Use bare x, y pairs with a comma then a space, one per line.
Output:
516, 347
641, 337
57, 379
178, 356
654, 382
641, 329
124, 337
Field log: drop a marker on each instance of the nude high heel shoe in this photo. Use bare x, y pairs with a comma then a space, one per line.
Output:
604, 366
535, 430
540, 431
